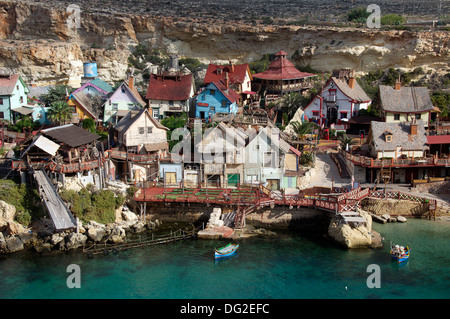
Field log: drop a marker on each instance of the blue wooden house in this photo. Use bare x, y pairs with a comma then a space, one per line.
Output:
217, 97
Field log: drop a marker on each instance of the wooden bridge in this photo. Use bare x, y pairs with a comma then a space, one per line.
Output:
245, 201
60, 215
106, 248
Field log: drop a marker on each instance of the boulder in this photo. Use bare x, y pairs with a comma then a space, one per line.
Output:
14, 228
74, 240
139, 227
401, 219
386, 216
117, 235
7, 211
129, 216
13, 244
56, 238
3, 247
359, 237
96, 233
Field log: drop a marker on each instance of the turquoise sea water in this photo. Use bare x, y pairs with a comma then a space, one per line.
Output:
288, 266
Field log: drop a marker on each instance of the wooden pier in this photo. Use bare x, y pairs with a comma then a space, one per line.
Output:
107, 248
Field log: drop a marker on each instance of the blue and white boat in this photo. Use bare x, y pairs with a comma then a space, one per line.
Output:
226, 251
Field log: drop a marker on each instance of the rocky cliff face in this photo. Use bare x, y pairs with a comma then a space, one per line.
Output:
37, 41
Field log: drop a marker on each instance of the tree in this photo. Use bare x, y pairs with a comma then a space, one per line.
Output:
57, 93
358, 15
345, 140
60, 112
303, 129
289, 104
172, 123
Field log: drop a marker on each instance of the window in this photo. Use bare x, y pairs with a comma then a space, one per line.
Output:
343, 115
224, 103
21, 99
315, 113
2, 115
149, 129
269, 159
155, 113
212, 92
1, 101
388, 138
141, 130
418, 116
396, 117
115, 106
212, 108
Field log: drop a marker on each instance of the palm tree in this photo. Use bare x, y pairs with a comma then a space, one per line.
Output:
346, 141
289, 104
60, 112
302, 129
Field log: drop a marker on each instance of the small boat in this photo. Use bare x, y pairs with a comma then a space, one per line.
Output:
399, 253
226, 251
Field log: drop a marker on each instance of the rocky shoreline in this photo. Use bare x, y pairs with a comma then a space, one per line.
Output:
14, 237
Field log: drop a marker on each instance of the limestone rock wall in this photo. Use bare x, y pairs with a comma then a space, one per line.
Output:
36, 40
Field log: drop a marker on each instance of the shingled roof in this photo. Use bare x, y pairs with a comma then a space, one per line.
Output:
8, 83
169, 88
357, 93
282, 69
401, 136
405, 100
236, 73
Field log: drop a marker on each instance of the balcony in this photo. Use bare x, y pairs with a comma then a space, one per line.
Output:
393, 162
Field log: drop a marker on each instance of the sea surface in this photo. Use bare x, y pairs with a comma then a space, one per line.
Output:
287, 266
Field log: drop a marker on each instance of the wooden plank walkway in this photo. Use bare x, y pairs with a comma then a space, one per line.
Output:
60, 215
106, 248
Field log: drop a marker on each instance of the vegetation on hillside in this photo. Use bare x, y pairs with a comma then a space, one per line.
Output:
99, 206
24, 198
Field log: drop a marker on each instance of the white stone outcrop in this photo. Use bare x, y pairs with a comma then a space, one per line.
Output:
214, 218
352, 237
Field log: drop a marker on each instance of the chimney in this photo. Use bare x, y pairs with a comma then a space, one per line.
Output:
398, 84
413, 127
231, 67
131, 81
352, 80
226, 79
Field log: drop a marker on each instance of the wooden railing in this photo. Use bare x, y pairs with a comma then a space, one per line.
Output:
371, 162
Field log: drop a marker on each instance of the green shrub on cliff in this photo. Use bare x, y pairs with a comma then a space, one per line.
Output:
24, 198
99, 206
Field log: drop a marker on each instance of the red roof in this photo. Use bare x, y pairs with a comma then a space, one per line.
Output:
282, 69
229, 93
438, 139
169, 88
236, 73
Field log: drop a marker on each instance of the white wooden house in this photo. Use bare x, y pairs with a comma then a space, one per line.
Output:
142, 143
341, 99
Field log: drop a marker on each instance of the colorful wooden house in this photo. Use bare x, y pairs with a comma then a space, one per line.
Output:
282, 77
142, 142
222, 155
170, 94
124, 99
88, 100
403, 104
13, 97
341, 99
217, 97
239, 77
